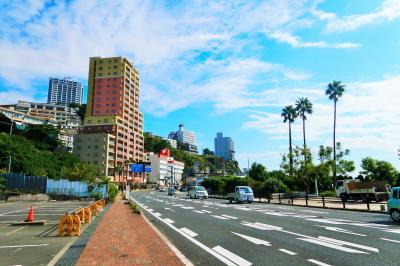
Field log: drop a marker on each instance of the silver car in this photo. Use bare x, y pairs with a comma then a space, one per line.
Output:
198, 192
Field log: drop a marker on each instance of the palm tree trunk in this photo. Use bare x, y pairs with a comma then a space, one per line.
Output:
304, 138
290, 150
334, 142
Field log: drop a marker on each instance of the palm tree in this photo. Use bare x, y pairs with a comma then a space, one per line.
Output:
334, 91
303, 107
289, 115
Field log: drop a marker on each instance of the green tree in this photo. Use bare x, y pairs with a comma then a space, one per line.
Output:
289, 115
334, 91
81, 172
45, 137
258, 172
374, 169
303, 108
207, 151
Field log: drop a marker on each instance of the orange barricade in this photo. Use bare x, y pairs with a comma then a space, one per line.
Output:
65, 223
88, 215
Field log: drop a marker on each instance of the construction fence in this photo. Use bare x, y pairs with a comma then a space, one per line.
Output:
41, 184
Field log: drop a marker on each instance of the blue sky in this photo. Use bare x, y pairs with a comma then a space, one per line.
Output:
224, 66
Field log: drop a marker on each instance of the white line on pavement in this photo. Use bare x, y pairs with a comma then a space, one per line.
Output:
197, 243
318, 262
206, 211
16, 230
287, 251
340, 242
254, 240
332, 245
230, 217
188, 232
198, 211
391, 240
169, 209
187, 207
231, 256
220, 217
169, 221
339, 230
2, 214
22, 246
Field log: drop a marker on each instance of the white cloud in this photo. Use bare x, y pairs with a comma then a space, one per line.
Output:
367, 117
295, 41
389, 10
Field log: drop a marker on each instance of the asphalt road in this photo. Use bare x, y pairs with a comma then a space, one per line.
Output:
35, 244
213, 232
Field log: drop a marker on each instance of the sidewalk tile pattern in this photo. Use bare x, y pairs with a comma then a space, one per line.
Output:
125, 238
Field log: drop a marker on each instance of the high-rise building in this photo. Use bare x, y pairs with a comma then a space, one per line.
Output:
113, 107
186, 137
224, 147
64, 91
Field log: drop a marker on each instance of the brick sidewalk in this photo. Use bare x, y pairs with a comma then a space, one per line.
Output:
125, 238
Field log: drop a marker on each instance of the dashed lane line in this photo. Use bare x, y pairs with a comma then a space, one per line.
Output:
194, 241
189, 232
287, 251
318, 262
391, 240
23, 246
232, 256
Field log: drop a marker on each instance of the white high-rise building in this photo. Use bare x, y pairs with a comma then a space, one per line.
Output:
64, 91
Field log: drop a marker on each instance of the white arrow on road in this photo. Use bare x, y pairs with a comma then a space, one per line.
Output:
339, 230
254, 240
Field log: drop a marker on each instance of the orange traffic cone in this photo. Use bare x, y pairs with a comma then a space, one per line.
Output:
30, 215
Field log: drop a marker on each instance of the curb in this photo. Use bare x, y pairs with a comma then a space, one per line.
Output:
179, 254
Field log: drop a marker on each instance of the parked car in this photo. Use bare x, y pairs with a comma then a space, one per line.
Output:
171, 192
393, 204
161, 189
198, 192
241, 194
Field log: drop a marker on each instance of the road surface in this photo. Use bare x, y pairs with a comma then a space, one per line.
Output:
213, 232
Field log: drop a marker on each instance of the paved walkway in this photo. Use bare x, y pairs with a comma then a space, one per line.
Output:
125, 238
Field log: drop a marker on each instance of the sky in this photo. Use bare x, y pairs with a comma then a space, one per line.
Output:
224, 66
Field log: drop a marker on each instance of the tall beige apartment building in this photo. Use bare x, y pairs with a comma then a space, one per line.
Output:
113, 107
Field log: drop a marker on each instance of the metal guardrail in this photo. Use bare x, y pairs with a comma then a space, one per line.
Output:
297, 199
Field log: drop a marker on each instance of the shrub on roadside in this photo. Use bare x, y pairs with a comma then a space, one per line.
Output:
135, 208
112, 191
328, 193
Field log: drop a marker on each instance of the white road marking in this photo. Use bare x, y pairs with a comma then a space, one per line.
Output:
16, 230
177, 205
287, 251
169, 209
391, 240
230, 217
150, 210
332, 245
340, 230
340, 242
231, 256
157, 214
397, 231
318, 262
254, 240
188, 232
22, 246
169, 221
187, 207
2, 214
198, 211
206, 211
326, 221
220, 217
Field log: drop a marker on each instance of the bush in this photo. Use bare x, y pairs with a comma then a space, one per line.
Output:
135, 208
328, 193
112, 191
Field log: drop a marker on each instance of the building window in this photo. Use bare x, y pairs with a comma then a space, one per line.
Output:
115, 73
98, 105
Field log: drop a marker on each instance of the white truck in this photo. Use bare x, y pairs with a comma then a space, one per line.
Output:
241, 194
354, 189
